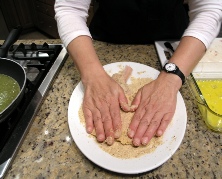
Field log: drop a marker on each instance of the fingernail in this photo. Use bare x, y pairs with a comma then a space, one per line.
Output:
136, 142
124, 106
117, 133
133, 108
130, 133
145, 140
159, 133
100, 138
89, 130
109, 140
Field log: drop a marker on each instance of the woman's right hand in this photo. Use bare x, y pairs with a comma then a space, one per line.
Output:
102, 94
101, 107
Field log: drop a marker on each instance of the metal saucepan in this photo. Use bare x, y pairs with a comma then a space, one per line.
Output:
13, 69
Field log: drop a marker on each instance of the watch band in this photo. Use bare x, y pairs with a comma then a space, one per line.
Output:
175, 71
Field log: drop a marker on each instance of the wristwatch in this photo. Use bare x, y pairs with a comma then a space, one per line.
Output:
172, 68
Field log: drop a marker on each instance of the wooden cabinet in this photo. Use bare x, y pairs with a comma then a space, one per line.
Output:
45, 17
31, 14
17, 12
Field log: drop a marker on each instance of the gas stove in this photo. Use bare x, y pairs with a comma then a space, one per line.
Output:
41, 64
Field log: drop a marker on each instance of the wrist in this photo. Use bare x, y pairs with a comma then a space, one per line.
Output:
171, 79
172, 68
91, 73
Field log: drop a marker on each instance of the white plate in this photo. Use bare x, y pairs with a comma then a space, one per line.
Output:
89, 147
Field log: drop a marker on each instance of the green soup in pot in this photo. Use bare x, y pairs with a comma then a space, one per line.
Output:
9, 90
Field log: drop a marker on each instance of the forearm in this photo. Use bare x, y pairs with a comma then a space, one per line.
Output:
205, 21
186, 57
85, 58
188, 54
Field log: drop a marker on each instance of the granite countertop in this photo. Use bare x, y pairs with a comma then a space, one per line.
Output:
48, 150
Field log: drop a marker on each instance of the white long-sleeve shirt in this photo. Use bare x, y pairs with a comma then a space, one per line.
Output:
205, 19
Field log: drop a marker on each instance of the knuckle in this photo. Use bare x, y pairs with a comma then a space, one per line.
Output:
87, 115
144, 122
146, 107
99, 105
151, 106
87, 102
106, 119
114, 114
97, 119
154, 123
166, 120
108, 98
137, 117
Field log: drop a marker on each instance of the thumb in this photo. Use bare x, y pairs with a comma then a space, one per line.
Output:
123, 102
136, 101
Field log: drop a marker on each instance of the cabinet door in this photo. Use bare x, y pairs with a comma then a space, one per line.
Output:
47, 24
45, 8
17, 12
50, 2
24, 12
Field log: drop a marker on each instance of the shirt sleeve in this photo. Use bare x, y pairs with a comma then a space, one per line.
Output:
71, 17
205, 20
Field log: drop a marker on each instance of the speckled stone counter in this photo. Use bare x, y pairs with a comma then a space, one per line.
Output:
48, 150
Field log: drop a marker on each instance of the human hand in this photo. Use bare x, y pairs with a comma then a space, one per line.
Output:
156, 106
102, 98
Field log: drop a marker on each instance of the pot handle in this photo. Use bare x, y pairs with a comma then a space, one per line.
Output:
10, 40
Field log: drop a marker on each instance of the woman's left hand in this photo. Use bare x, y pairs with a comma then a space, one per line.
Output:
156, 106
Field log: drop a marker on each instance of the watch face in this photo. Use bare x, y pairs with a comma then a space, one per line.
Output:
170, 67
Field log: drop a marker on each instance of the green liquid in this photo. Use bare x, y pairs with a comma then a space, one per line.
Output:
9, 90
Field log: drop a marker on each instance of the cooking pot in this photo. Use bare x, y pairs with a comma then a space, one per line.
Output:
13, 69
